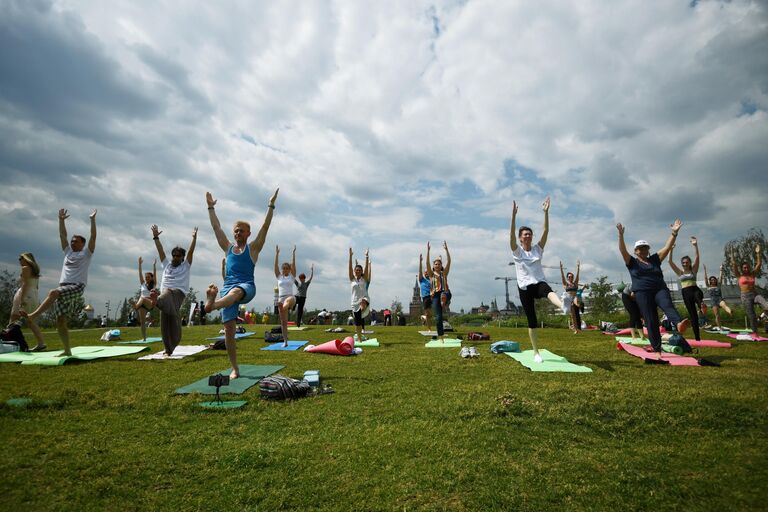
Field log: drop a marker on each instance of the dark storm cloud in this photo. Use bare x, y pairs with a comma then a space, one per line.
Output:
56, 74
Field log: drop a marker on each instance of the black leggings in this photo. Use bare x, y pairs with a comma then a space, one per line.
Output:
649, 302
635, 318
300, 312
358, 315
692, 297
527, 298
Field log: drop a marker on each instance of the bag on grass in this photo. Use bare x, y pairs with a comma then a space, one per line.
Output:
12, 334
114, 334
277, 330
478, 336
271, 337
678, 341
279, 387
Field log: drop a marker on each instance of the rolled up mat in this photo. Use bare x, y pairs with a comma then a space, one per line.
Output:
672, 349
334, 347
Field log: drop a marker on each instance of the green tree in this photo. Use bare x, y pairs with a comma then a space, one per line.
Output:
190, 299
8, 285
602, 300
125, 311
742, 249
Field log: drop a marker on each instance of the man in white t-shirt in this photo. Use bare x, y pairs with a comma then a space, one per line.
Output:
66, 299
174, 288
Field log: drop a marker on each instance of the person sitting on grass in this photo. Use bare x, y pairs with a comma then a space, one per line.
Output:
145, 304
286, 298
66, 299
173, 290
239, 287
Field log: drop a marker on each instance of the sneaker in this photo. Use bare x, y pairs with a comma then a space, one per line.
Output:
473, 352
464, 352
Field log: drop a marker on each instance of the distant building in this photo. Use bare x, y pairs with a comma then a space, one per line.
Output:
415, 308
479, 310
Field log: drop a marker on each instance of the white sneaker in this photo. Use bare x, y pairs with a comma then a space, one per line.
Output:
537, 358
473, 352
464, 352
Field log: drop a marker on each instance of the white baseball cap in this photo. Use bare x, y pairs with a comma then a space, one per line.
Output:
642, 243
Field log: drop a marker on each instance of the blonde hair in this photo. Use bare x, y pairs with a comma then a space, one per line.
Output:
243, 224
30, 258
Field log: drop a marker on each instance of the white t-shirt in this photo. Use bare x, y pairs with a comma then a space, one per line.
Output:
175, 277
359, 292
528, 265
285, 285
75, 268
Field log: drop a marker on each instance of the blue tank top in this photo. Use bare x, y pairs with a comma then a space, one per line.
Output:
239, 267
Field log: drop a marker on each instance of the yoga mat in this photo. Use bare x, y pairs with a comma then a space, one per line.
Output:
224, 404
250, 374
627, 331
428, 333
551, 362
334, 347
54, 358
671, 359
367, 343
179, 352
715, 331
139, 342
294, 328
292, 345
753, 337
237, 336
446, 343
693, 343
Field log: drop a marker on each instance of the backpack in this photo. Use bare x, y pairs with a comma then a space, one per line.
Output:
678, 341
114, 334
478, 336
271, 337
279, 387
277, 330
12, 334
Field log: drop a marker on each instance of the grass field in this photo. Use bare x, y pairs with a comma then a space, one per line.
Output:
408, 428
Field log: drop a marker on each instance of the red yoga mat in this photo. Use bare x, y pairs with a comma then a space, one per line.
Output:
755, 337
709, 343
335, 347
625, 332
672, 359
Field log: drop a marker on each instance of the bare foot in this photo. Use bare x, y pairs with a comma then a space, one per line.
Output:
285, 343
235, 374
683, 326
67, 353
210, 295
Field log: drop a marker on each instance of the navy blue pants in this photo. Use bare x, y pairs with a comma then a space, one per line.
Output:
437, 311
649, 302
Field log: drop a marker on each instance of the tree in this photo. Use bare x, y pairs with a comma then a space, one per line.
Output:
125, 311
190, 299
8, 285
743, 250
602, 301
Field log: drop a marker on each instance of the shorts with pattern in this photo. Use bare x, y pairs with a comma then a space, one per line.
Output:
69, 304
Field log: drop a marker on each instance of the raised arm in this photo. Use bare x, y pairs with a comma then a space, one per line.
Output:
622, 246
545, 231
562, 275
221, 237
447, 258
158, 245
671, 240
154, 271
367, 268
706, 277
421, 266
192, 244
512, 235
672, 265
92, 239
141, 274
63, 229
695, 265
759, 261
277, 264
351, 274
720, 278
293, 263
734, 266
428, 267
311, 273
257, 244
578, 271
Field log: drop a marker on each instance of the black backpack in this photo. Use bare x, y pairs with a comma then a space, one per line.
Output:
271, 337
279, 387
13, 334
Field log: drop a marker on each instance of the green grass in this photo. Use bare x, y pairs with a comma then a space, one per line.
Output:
408, 428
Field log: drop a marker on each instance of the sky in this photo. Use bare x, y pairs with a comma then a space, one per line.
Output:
385, 125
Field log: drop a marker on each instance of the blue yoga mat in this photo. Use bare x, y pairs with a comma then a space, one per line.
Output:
292, 345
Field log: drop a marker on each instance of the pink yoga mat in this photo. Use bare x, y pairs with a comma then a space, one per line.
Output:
755, 337
709, 343
627, 331
335, 347
672, 359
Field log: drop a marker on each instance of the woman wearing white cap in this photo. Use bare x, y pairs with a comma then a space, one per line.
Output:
651, 291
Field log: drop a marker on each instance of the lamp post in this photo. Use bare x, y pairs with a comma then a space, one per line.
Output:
506, 289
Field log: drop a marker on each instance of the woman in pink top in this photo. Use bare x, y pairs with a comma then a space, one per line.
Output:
747, 286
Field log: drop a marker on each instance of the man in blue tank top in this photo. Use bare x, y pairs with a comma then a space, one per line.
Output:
239, 287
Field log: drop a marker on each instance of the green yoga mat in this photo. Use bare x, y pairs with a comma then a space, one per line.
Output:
250, 374
446, 343
367, 343
139, 342
55, 358
551, 362
294, 328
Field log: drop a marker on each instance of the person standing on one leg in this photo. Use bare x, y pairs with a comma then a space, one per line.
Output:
173, 290
301, 293
692, 294
425, 290
570, 302
531, 283
27, 297
359, 279
441, 292
648, 283
145, 304
716, 296
749, 294
66, 299
286, 298
239, 287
